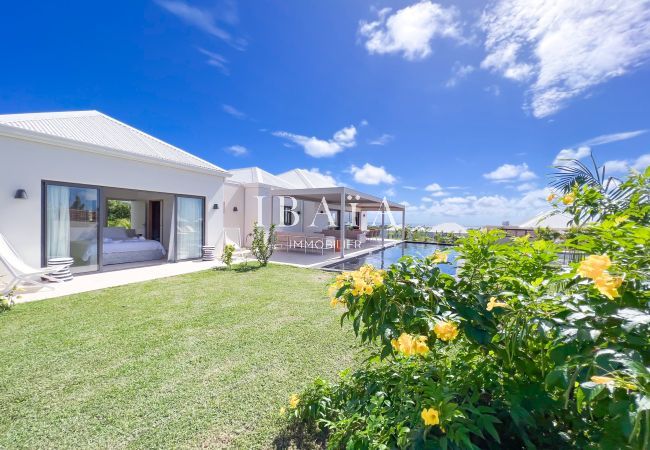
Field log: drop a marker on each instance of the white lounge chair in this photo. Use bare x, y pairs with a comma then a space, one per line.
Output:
21, 272
232, 236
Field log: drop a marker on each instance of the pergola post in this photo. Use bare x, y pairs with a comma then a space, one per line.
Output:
341, 226
404, 224
382, 225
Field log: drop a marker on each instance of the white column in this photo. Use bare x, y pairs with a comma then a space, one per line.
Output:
341, 225
404, 224
382, 225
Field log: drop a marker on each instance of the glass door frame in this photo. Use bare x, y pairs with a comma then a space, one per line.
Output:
175, 218
100, 212
102, 216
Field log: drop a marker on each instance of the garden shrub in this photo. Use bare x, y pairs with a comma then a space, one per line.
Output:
226, 257
263, 245
515, 351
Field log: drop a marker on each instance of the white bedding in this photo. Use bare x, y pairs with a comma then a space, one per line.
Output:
123, 246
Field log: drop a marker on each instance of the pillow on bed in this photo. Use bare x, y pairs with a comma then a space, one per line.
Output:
115, 233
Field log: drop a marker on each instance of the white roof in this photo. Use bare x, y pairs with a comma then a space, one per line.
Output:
97, 129
307, 179
448, 227
255, 175
545, 220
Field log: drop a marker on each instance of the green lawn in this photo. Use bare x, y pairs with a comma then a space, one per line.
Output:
199, 360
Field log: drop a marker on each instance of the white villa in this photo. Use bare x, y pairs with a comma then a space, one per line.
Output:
61, 170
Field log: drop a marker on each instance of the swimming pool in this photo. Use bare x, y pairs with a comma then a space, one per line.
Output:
382, 259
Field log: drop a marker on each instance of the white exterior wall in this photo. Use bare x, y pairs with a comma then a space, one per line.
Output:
25, 164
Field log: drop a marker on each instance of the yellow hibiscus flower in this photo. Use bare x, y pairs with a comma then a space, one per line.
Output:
608, 285
446, 331
430, 416
593, 266
439, 257
293, 401
493, 303
568, 199
550, 197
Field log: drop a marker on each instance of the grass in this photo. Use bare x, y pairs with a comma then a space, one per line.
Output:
200, 360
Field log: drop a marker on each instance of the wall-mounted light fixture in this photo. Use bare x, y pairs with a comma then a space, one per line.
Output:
21, 194
215, 206
234, 208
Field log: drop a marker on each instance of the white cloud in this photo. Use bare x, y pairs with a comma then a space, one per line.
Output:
493, 89
584, 148
614, 137
561, 49
524, 187
320, 148
459, 72
510, 172
481, 210
237, 150
410, 30
363, 123
410, 188
569, 153
203, 20
216, 60
228, 109
390, 192
369, 174
433, 187
382, 140
622, 166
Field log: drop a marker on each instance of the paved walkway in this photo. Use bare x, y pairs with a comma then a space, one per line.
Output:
94, 281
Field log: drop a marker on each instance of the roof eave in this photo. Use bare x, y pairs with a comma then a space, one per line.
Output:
34, 136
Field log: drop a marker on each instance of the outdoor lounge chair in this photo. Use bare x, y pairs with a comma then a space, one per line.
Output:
21, 272
232, 236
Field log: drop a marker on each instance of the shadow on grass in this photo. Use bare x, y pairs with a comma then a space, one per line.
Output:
239, 268
297, 435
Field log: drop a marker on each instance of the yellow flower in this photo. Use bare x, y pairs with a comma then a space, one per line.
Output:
594, 266
410, 345
446, 331
493, 303
602, 380
293, 401
608, 285
334, 302
439, 257
283, 411
430, 416
550, 197
568, 199
620, 220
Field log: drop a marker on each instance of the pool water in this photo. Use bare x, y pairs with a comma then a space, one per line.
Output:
382, 259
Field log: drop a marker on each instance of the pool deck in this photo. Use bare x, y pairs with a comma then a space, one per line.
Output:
316, 260
123, 276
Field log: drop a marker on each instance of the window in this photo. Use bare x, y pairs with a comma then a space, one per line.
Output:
288, 216
189, 227
71, 225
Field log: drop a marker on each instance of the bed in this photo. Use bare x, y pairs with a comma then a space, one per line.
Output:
122, 246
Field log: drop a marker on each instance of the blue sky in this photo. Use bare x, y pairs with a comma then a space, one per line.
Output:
473, 100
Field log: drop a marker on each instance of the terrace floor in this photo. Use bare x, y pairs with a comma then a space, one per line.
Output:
314, 259
112, 277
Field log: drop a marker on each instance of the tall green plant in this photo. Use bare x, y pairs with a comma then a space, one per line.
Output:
263, 244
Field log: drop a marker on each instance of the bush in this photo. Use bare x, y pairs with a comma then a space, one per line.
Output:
7, 301
226, 257
262, 246
516, 351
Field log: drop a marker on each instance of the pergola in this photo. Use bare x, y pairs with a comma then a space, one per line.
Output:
343, 198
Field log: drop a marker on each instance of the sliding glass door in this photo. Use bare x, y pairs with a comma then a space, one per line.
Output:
189, 227
71, 214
